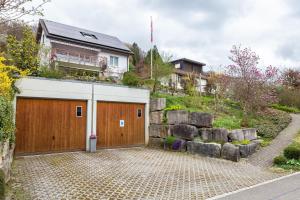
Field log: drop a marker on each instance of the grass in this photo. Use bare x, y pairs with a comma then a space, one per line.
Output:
243, 142
284, 108
292, 164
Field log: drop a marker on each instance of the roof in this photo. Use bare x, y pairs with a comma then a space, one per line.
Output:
188, 61
69, 33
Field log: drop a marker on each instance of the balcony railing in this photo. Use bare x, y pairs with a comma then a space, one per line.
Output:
74, 57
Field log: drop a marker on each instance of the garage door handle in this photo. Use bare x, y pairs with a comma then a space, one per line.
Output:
53, 137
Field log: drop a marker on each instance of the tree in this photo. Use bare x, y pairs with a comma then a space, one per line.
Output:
189, 84
252, 88
291, 78
137, 54
24, 53
11, 10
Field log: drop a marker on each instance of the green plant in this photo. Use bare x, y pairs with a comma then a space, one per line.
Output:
243, 142
174, 107
293, 162
292, 152
7, 126
170, 140
131, 79
2, 185
286, 108
230, 122
280, 160
265, 142
50, 73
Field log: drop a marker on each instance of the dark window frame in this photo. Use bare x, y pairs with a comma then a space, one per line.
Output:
139, 113
77, 111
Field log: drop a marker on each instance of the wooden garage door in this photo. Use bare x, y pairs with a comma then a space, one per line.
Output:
48, 125
111, 130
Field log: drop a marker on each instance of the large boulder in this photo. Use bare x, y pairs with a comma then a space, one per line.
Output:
236, 135
178, 117
156, 117
249, 149
156, 142
220, 134
157, 104
184, 131
157, 130
206, 134
206, 149
250, 134
230, 152
201, 120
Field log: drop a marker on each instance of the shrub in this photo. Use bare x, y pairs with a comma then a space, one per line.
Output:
286, 108
293, 162
174, 107
243, 142
7, 126
230, 122
292, 152
280, 160
289, 97
50, 73
2, 185
131, 79
177, 145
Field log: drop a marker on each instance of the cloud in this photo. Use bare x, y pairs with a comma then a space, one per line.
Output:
203, 30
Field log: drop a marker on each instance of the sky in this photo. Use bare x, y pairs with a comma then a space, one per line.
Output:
203, 30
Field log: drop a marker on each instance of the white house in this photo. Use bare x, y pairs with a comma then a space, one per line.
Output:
71, 49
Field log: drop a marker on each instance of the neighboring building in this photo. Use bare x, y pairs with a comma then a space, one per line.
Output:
72, 49
185, 66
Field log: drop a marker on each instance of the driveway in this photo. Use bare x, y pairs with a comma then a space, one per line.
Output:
134, 173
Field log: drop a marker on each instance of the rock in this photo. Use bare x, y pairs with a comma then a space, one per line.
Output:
236, 135
157, 104
184, 131
156, 117
177, 117
156, 142
230, 152
206, 134
157, 130
249, 149
201, 120
250, 134
220, 134
206, 149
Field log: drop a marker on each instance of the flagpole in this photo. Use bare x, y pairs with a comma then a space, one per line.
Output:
151, 59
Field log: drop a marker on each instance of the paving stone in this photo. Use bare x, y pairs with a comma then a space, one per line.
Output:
132, 173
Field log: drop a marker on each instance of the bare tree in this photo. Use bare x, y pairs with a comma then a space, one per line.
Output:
11, 10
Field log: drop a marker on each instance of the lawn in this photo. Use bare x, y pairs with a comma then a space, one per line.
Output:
228, 114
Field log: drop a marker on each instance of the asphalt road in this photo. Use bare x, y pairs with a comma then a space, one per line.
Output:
287, 188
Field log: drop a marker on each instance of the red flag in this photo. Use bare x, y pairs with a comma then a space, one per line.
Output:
151, 30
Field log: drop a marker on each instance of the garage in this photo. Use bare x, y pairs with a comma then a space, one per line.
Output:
50, 125
120, 124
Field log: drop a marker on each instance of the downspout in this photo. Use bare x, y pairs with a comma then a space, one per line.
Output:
92, 110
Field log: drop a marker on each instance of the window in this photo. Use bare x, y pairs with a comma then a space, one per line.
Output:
114, 61
88, 35
78, 111
139, 113
177, 66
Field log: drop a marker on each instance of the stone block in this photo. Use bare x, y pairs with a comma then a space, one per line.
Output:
184, 131
236, 135
206, 149
206, 134
230, 152
220, 134
250, 134
178, 117
157, 104
249, 149
156, 117
157, 130
156, 142
201, 120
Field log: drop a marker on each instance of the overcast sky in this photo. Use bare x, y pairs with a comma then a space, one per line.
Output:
204, 30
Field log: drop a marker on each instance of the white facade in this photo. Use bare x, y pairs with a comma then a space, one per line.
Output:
91, 92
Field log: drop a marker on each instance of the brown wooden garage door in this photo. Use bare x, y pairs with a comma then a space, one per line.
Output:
111, 130
48, 125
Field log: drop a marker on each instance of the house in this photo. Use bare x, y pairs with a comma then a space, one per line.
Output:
73, 49
184, 67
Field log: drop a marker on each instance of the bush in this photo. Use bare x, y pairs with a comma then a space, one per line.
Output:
131, 79
280, 160
292, 152
286, 108
7, 126
174, 107
170, 140
2, 185
243, 142
50, 73
289, 97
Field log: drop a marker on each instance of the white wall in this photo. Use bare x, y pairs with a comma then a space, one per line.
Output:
123, 62
65, 89
45, 51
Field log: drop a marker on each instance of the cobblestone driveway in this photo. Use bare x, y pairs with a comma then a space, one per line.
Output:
135, 173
